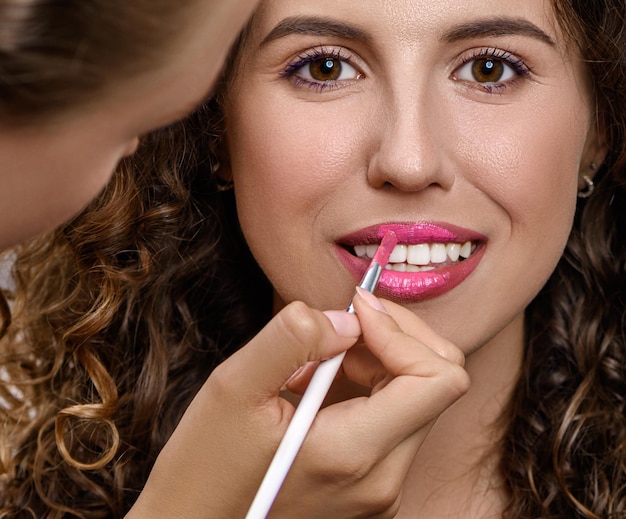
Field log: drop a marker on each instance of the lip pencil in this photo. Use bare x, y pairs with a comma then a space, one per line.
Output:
312, 400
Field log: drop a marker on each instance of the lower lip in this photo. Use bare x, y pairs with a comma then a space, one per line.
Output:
410, 287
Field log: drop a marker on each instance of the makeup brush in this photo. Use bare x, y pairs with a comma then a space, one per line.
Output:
312, 400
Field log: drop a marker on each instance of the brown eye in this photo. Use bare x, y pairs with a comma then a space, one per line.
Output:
487, 70
325, 69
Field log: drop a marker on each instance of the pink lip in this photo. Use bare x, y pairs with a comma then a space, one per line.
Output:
409, 287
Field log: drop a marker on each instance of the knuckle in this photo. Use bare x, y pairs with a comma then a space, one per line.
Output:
456, 356
452, 353
300, 325
220, 383
350, 470
457, 380
384, 498
378, 490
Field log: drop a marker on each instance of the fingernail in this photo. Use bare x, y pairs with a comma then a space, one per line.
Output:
345, 324
371, 300
293, 376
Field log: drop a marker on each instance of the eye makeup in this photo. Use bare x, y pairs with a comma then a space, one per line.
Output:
329, 64
478, 65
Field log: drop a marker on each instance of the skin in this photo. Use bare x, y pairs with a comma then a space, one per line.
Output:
51, 171
406, 135
409, 134
351, 464
239, 416
430, 147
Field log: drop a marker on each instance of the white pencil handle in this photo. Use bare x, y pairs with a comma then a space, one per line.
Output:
303, 418
297, 430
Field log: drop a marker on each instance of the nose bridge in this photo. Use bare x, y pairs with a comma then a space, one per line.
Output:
408, 155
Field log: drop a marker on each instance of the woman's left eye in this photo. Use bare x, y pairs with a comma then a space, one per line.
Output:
486, 70
491, 69
321, 69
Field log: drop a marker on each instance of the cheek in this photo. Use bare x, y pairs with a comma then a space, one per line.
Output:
528, 165
50, 180
282, 165
82, 178
288, 170
74, 186
522, 171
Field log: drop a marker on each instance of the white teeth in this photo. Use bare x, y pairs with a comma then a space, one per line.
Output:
418, 254
438, 253
407, 267
420, 257
360, 250
454, 251
399, 254
466, 249
371, 250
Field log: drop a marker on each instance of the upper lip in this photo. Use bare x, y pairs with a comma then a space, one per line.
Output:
412, 233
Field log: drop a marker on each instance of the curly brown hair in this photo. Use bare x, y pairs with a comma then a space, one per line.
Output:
127, 329
565, 451
120, 316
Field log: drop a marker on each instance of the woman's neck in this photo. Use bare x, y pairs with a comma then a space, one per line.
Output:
456, 471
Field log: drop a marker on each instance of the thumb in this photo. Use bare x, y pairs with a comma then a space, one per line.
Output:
296, 335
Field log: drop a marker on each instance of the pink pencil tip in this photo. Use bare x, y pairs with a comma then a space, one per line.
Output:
385, 248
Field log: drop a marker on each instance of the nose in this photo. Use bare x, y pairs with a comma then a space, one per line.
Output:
410, 148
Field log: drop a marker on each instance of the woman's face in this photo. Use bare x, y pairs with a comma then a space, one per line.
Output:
463, 126
50, 172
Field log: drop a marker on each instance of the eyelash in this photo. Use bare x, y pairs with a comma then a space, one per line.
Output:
311, 56
517, 64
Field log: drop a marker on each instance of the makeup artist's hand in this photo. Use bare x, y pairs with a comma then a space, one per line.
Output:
216, 458
356, 456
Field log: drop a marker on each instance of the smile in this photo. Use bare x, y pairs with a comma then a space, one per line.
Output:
430, 259
423, 257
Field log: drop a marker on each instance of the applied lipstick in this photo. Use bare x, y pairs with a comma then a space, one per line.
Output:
406, 287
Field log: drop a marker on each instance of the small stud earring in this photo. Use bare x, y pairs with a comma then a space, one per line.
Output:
588, 189
222, 185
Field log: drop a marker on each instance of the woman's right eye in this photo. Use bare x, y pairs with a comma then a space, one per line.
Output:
321, 69
328, 69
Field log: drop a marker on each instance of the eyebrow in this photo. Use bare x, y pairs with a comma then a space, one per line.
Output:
496, 27
318, 26
313, 26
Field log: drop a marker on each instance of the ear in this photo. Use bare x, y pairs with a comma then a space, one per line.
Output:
223, 171
595, 150
222, 168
